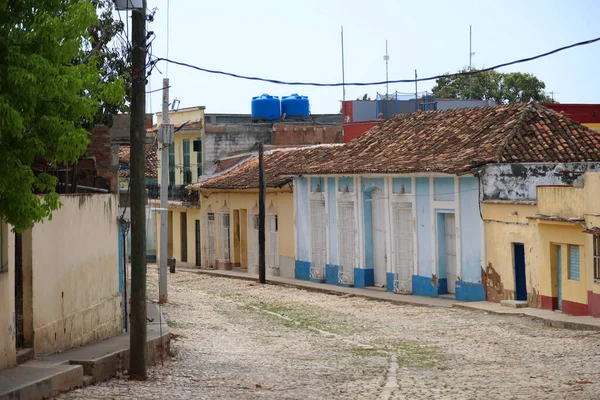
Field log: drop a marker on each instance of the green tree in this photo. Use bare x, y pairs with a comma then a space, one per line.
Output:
51, 87
365, 97
511, 88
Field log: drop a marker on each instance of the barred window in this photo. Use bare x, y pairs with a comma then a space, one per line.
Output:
597, 258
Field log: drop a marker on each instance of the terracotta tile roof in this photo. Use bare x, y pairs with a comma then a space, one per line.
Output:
227, 163
151, 160
277, 162
450, 141
193, 125
458, 140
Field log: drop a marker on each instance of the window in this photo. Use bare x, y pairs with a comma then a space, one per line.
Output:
198, 150
573, 262
597, 258
187, 171
172, 164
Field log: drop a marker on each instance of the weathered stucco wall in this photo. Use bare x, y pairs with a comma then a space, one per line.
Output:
75, 274
519, 181
222, 140
7, 298
565, 201
506, 224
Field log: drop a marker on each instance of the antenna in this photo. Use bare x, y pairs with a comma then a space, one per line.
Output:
471, 54
386, 57
343, 81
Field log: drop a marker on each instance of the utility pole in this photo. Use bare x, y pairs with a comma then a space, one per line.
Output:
166, 140
386, 57
137, 338
343, 82
262, 193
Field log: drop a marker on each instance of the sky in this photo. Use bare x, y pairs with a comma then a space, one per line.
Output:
299, 40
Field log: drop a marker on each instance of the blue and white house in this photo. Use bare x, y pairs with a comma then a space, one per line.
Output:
411, 233
400, 207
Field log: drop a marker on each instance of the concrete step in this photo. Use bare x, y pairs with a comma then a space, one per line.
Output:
447, 296
24, 355
38, 380
513, 303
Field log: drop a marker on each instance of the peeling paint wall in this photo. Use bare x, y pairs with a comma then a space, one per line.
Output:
75, 274
519, 181
506, 224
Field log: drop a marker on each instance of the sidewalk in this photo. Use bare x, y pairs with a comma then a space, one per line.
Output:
550, 318
43, 377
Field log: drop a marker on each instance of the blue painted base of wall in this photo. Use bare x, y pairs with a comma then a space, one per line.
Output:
317, 280
302, 270
150, 257
364, 277
467, 291
390, 277
422, 286
443, 286
331, 274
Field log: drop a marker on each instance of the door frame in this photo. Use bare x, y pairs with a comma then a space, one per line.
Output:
442, 268
379, 211
520, 286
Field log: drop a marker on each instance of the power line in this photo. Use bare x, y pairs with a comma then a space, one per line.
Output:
467, 73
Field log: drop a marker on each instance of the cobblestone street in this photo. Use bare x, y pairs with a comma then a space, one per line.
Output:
236, 339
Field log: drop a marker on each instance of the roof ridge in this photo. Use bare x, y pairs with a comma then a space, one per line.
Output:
516, 130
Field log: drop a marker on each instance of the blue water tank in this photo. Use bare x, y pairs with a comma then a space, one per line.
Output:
266, 107
295, 106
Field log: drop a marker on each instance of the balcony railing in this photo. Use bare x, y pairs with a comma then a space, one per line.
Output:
176, 193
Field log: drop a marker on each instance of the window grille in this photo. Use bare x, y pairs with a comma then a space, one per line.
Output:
209, 234
573, 262
224, 254
597, 258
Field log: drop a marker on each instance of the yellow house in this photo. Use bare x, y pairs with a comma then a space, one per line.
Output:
185, 166
560, 237
229, 222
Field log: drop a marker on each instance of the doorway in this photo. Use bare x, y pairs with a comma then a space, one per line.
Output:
318, 240
198, 254
446, 225
379, 237
403, 247
519, 263
184, 247
559, 276
237, 240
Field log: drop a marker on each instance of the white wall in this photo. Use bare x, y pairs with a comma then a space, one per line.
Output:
75, 274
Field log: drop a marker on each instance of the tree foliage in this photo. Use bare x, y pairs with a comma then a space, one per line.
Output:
511, 88
51, 88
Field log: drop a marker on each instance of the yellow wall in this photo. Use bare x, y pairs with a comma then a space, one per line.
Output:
179, 117
568, 202
75, 274
502, 228
7, 298
183, 115
279, 201
595, 127
191, 214
564, 234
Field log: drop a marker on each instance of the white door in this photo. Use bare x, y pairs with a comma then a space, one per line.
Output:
379, 247
403, 247
347, 242
210, 227
318, 239
450, 238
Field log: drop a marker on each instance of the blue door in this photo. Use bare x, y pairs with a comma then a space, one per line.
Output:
520, 284
559, 275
